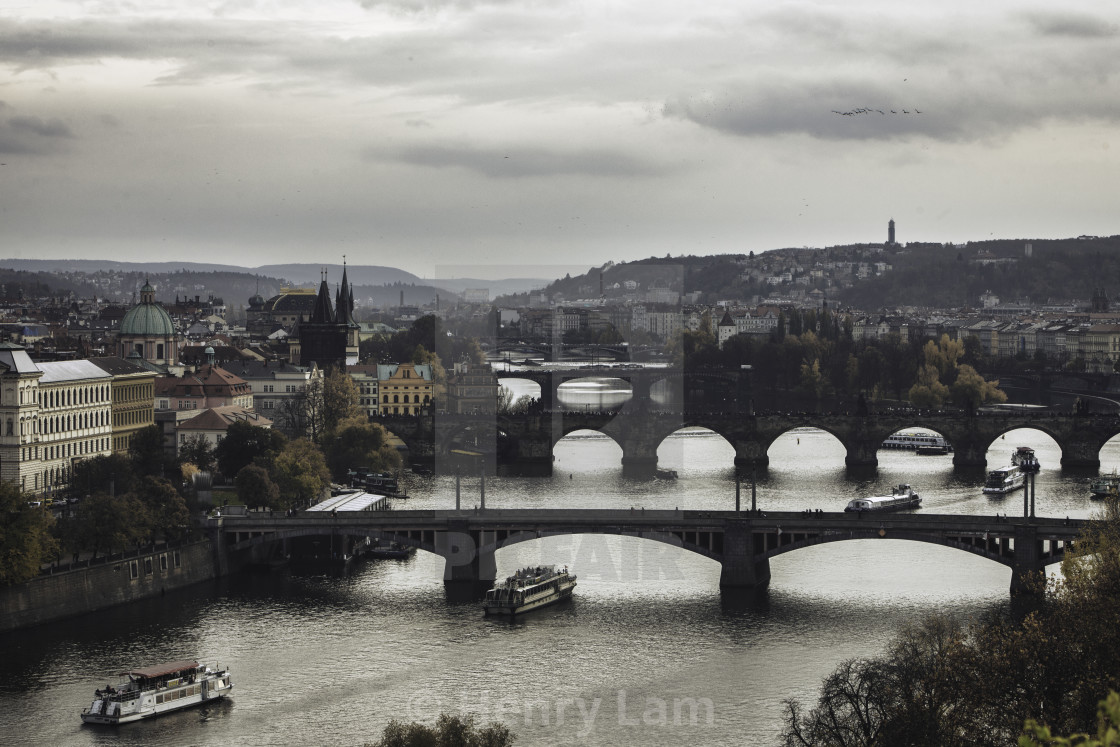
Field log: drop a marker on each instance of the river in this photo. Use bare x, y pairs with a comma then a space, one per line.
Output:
648, 651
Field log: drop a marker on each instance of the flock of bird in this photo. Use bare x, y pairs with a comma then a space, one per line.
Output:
862, 110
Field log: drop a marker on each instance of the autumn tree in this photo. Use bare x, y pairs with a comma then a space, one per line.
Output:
300, 472
165, 511
361, 444
256, 488
448, 730
107, 522
245, 442
197, 450
147, 452
25, 536
340, 400
972, 390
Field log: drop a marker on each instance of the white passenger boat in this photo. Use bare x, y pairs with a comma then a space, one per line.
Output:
529, 589
914, 440
152, 691
902, 496
1004, 480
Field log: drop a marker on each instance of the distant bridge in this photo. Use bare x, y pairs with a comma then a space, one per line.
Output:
527, 442
742, 542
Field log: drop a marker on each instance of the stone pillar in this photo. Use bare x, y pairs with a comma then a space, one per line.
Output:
862, 453
464, 561
640, 391
740, 568
1028, 567
534, 452
751, 454
1082, 455
967, 453
640, 465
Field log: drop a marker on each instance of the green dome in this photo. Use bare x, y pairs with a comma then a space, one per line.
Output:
147, 320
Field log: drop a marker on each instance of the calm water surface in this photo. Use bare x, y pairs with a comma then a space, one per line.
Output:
648, 651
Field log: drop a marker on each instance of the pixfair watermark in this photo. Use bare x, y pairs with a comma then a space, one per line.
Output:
583, 715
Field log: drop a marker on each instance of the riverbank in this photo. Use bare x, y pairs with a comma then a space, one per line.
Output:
96, 584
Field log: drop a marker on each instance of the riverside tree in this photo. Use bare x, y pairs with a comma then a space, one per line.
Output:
943, 684
448, 731
25, 536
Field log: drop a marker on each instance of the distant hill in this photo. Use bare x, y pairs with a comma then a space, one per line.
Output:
374, 285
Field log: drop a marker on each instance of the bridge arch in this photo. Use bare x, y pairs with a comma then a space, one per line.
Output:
994, 548
672, 449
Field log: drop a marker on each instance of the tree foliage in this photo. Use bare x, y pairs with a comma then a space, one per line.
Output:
944, 684
198, 450
243, 443
300, 472
361, 444
26, 541
449, 731
256, 488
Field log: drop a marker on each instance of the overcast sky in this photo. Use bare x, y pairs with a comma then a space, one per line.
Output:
431, 135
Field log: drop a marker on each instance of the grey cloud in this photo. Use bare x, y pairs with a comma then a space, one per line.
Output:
40, 127
1076, 25
522, 162
32, 135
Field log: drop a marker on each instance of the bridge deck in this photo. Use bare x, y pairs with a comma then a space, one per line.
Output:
650, 520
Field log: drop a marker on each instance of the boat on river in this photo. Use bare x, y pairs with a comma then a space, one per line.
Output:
1004, 480
529, 589
153, 691
390, 551
1104, 486
902, 496
915, 440
1025, 459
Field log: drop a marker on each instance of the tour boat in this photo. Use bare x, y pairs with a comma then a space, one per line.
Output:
1104, 486
1004, 480
933, 450
902, 496
529, 589
915, 440
390, 550
1024, 458
152, 691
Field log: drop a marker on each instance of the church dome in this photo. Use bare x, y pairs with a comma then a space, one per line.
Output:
147, 320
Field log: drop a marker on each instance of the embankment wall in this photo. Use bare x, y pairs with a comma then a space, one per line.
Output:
76, 592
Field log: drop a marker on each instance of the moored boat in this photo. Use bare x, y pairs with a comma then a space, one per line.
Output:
529, 589
1104, 486
1004, 480
152, 691
933, 450
902, 496
390, 551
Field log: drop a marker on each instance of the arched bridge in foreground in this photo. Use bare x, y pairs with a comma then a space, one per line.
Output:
742, 542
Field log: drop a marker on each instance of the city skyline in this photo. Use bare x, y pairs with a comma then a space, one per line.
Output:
430, 135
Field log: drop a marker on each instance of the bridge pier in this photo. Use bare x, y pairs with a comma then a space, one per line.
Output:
639, 467
1029, 568
862, 454
751, 454
464, 561
1081, 455
970, 454
740, 567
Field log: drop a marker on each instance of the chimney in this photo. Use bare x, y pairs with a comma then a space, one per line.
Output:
402, 300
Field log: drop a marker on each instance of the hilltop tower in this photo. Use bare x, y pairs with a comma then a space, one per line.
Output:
890, 232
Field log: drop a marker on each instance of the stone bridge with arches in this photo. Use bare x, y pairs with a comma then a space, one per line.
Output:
525, 443
742, 542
